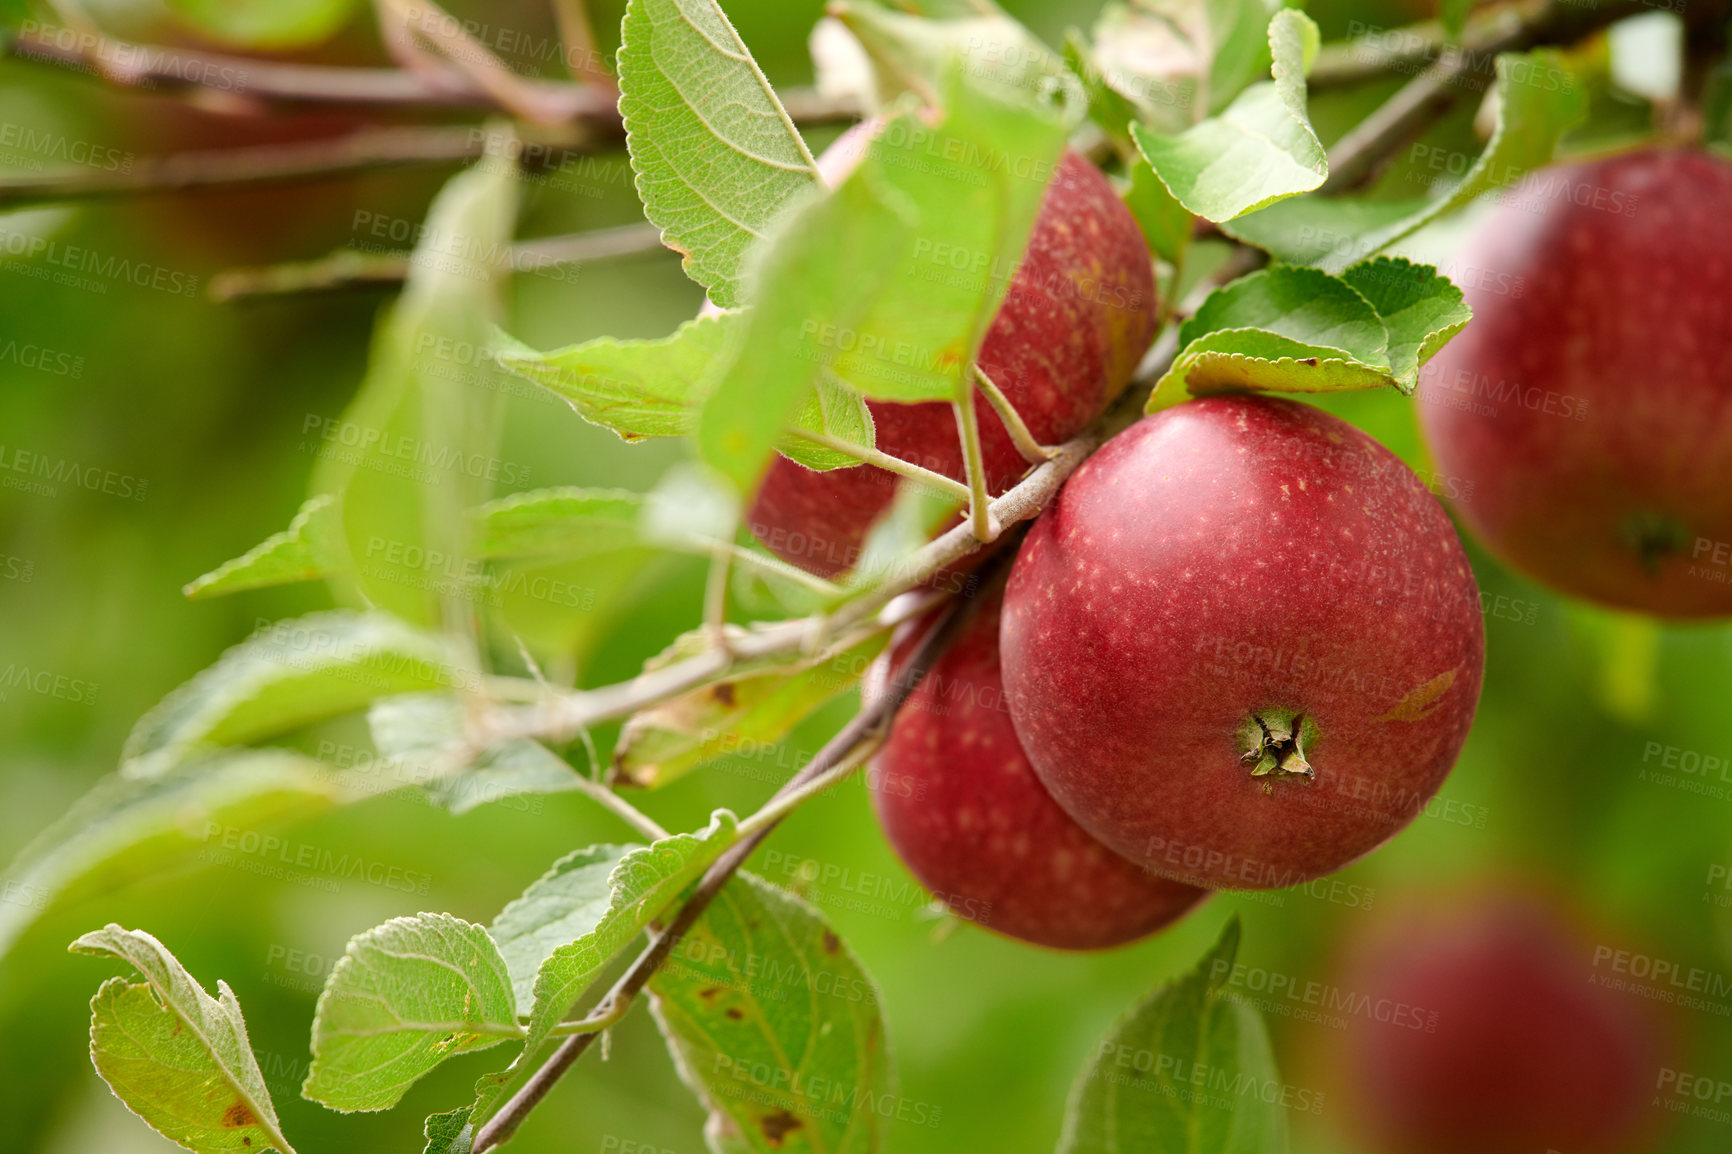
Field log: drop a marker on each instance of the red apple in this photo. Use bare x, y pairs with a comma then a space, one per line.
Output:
962, 807
1078, 315
1511, 1048
1243, 646
1589, 404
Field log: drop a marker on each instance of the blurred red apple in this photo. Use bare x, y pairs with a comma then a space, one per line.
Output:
1514, 1048
1243, 646
1589, 404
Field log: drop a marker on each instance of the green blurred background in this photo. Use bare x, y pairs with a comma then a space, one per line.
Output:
207, 403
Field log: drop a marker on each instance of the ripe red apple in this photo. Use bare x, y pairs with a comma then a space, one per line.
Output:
962, 807
1513, 1047
1078, 315
1589, 403
1243, 646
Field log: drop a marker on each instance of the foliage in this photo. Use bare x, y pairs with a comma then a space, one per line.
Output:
826, 297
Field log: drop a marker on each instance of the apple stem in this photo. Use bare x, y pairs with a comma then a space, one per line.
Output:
716, 598
1032, 450
1274, 740
979, 503
885, 461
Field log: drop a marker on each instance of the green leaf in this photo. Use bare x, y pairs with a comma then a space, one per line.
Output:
656, 388
1329, 233
1296, 330
690, 503
832, 258
1420, 310
266, 24
643, 884
1111, 109
776, 1027
1260, 149
1301, 304
449, 1133
861, 282
561, 906
1453, 14
1177, 61
717, 157
1538, 98
424, 736
635, 388
975, 183
1717, 107
1165, 222
405, 996
569, 523
667, 741
415, 451
287, 675
1149, 62
1283, 328
916, 515
124, 828
838, 413
176, 1056
910, 52
1240, 42
1189, 1071
299, 553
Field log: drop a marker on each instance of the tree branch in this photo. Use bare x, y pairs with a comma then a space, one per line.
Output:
1458, 72
560, 716
518, 95
362, 151
864, 728
181, 71
178, 70
348, 267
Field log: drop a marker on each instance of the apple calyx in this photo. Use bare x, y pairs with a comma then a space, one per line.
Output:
1274, 742
1654, 537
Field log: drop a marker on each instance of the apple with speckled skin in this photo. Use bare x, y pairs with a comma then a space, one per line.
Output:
964, 810
1243, 646
1589, 404
1508, 1046
1078, 315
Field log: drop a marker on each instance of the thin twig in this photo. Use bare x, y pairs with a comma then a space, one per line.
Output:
577, 33
157, 68
362, 151
979, 501
864, 727
886, 462
1032, 450
783, 804
516, 94
594, 1023
716, 596
639, 821
1459, 72
1375, 54
348, 267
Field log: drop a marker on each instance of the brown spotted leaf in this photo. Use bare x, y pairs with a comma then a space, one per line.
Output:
740, 716
777, 1028
177, 1057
